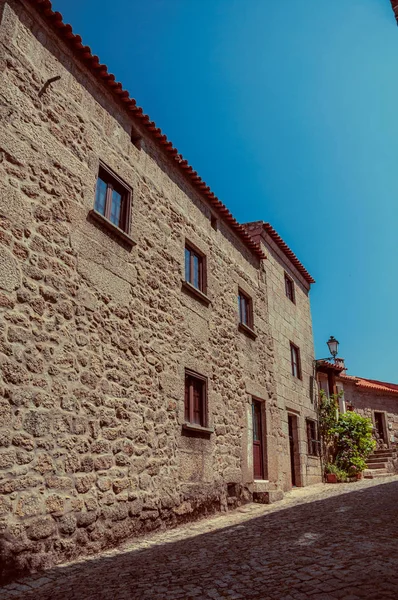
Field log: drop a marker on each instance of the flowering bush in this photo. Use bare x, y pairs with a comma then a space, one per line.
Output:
346, 438
354, 441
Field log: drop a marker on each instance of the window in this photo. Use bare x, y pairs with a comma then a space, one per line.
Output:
313, 438
245, 310
136, 138
195, 268
195, 398
113, 199
289, 288
324, 385
295, 359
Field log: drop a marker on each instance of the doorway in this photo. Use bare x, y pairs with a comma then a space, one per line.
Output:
380, 427
258, 462
292, 422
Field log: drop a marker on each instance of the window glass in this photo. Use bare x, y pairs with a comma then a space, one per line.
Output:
243, 309
195, 281
187, 265
116, 207
100, 196
195, 400
295, 358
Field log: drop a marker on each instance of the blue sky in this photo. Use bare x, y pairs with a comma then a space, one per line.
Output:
289, 111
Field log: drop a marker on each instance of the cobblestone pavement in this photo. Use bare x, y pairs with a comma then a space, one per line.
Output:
321, 542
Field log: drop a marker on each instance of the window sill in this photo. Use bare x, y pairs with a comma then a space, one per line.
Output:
192, 428
313, 456
109, 226
188, 287
247, 330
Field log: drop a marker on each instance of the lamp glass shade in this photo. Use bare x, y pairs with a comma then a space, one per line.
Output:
333, 345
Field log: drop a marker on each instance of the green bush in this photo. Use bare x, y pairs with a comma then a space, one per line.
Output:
354, 442
346, 439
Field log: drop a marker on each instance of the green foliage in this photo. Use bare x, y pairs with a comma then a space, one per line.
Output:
354, 441
346, 438
328, 415
340, 473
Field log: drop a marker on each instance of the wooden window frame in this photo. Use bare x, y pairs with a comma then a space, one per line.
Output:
289, 288
189, 400
114, 182
313, 441
202, 274
297, 364
247, 327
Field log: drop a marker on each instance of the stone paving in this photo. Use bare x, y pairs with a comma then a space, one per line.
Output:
321, 542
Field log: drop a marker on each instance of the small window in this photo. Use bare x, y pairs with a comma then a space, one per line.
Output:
245, 305
136, 138
214, 222
195, 268
295, 359
313, 438
195, 399
113, 199
289, 288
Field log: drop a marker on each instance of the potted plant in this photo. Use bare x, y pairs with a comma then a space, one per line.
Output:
330, 473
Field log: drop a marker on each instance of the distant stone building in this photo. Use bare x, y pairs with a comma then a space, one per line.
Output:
156, 357
376, 400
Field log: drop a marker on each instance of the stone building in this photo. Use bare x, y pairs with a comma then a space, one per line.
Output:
155, 356
289, 314
376, 400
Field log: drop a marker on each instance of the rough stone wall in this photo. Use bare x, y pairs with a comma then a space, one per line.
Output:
291, 322
366, 402
95, 337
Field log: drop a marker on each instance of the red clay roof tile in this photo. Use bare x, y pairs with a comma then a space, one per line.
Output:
373, 384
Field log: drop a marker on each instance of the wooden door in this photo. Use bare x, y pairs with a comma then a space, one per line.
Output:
257, 441
292, 448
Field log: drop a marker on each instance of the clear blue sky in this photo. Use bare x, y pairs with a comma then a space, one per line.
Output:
289, 111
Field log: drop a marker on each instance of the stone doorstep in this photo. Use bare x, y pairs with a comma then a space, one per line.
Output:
264, 492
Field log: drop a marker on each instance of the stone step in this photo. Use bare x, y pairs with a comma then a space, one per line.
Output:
379, 457
376, 465
382, 453
373, 474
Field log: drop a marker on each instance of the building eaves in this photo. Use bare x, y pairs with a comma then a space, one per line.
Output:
274, 235
372, 384
91, 62
325, 364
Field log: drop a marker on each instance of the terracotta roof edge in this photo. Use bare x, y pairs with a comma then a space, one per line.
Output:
64, 31
274, 235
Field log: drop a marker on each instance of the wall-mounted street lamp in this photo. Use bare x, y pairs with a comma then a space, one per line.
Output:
333, 346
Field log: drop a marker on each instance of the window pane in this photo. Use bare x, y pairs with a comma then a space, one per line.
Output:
187, 265
116, 207
294, 361
256, 412
100, 196
243, 310
195, 271
198, 402
187, 384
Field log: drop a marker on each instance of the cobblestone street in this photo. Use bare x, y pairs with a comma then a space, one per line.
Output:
320, 542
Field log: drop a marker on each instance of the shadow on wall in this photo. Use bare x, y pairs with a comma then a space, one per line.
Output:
320, 547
